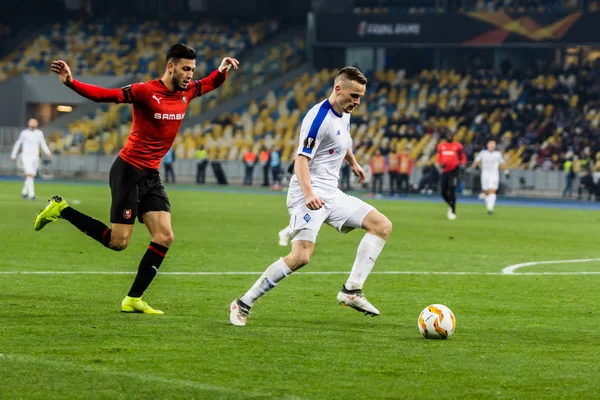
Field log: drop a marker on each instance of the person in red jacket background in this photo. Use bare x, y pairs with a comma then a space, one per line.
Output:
405, 167
393, 170
450, 158
377, 171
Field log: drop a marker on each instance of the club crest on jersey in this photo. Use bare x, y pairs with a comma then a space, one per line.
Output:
307, 217
309, 143
183, 100
127, 214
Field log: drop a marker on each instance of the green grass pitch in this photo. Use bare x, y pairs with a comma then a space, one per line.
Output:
521, 336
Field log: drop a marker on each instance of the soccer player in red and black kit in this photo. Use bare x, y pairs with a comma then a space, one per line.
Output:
450, 158
136, 189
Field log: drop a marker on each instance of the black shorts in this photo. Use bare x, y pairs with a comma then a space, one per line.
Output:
134, 192
450, 178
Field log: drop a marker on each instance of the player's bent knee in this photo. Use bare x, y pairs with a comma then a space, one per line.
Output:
118, 243
378, 224
298, 259
164, 238
302, 259
385, 228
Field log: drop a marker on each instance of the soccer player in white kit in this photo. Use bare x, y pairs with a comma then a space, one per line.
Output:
314, 198
31, 140
490, 161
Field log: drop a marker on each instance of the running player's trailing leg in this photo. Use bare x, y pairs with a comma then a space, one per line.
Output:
58, 208
240, 308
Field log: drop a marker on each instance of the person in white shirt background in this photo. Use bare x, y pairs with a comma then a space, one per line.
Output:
490, 160
30, 141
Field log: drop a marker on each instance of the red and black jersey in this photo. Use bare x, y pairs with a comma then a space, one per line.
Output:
450, 155
157, 114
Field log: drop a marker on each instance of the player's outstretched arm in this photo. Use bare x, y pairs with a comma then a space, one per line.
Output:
313, 202
217, 77
91, 92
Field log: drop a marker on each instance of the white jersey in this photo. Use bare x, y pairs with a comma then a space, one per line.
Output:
490, 162
31, 141
325, 140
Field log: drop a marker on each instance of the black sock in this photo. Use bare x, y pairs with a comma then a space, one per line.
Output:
452, 201
446, 198
88, 225
148, 268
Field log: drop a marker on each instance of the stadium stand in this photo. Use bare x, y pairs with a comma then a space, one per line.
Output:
552, 116
109, 48
538, 120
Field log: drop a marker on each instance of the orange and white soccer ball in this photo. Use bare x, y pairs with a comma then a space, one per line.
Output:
437, 322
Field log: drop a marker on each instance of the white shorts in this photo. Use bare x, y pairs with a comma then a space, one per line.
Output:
30, 165
344, 213
489, 182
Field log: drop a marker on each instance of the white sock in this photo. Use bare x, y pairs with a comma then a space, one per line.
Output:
286, 231
368, 250
491, 199
267, 281
25, 187
29, 183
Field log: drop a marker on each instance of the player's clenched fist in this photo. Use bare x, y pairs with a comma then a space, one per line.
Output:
314, 202
63, 71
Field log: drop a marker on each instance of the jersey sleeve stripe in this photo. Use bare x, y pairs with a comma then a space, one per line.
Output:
198, 89
315, 126
127, 93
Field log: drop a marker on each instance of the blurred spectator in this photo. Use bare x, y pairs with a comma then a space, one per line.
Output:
265, 155
569, 178
393, 171
202, 162
168, 161
377, 171
429, 181
586, 184
249, 162
345, 177
275, 164
405, 169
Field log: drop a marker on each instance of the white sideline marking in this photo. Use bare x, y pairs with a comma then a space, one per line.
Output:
511, 268
306, 273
